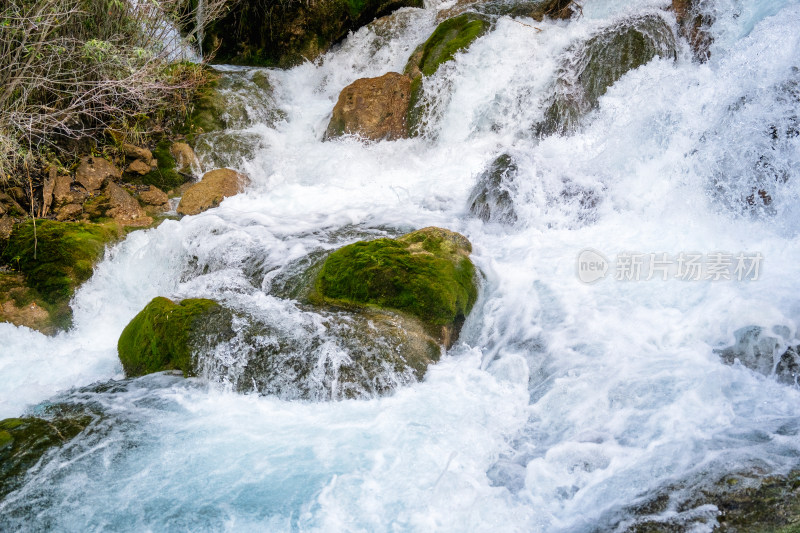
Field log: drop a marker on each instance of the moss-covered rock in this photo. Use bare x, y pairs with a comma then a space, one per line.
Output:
284, 34
426, 274
449, 37
601, 61
165, 335
23, 306
23, 441
56, 257
166, 176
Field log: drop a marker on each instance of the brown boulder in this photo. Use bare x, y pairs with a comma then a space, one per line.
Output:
138, 167
155, 197
94, 171
374, 108
134, 152
185, 159
115, 202
68, 212
211, 190
64, 194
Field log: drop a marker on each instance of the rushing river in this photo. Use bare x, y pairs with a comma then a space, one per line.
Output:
563, 403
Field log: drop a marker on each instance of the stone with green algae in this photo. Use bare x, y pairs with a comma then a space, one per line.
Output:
166, 335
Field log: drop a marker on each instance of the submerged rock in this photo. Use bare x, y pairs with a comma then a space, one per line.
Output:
373, 108
214, 187
492, 198
166, 335
329, 342
597, 64
765, 352
742, 502
284, 34
23, 442
449, 37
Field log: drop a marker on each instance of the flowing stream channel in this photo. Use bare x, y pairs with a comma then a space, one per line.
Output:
563, 403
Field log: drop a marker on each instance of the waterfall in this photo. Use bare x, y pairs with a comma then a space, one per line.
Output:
565, 406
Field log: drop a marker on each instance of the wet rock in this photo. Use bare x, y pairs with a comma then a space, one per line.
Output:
285, 34
23, 442
598, 63
373, 108
747, 501
186, 160
233, 100
166, 335
211, 190
765, 352
694, 26
93, 172
492, 198
449, 37
358, 354
426, 274
155, 197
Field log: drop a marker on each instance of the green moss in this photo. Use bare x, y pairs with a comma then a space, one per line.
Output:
423, 274
23, 441
5, 439
165, 177
60, 256
160, 336
448, 38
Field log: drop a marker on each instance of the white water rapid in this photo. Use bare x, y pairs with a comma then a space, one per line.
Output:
563, 403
